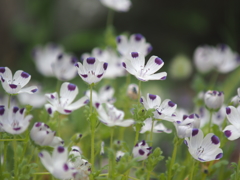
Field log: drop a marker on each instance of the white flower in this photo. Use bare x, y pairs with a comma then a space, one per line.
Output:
42, 135
157, 128
14, 84
92, 70
109, 56
111, 116
57, 164
13, 121
214, 99
164, 110
64, 67
232, 131
136, 43
135, 65
102, 148
204, 149
63, 104
105, 95
236, 99
119, 155
141, 151
117, 5
45, 56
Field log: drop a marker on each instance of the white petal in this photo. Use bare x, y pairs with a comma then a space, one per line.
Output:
60, 155
46, 160
52, 98
153, 65
211, 142
79, 103
231, 132
21, 78
125, 123
233, 116
153, 101
50, 109
68, 92
195, 139
158, 76
6, 73
29, 90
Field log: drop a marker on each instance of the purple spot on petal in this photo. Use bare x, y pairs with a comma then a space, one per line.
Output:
86, 102
227, 133
40, 154
2, 79
197, 115
194, 132
215, 139
178, 122
164, 77
2, 69
100, 75
105, 65
34, 90
13, 86
171, 104
107, 87
138, 37
67, 111
97, 105
22, 110
49, 110
25, 75
52, 96
223, 47
15, 109
141, 100
38, 124
60, 149
46, 125
59, 56
73, 60
219, 156
191, 116
185, 117
65, 167
134, 54
141, 152
91, 60
2, 110
17, 129
84, 75
185, 142
228, 110
158, 61
118, 39
76, 65
124, 64
71, 87
149, 49
152, 96
143, 143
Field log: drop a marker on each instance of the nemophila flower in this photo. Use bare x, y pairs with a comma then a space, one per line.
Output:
157, 127
42, 135
111, 116
119, 155
14, 84
232, 131
104, 95
236, 99
81, 165
164, 110
64, 67
136, 43
117, 5
213, 99
57, 163
186, 124
92, 70
132, 91
13, 120
63, 104
44, 56
109, 56
204, 149
135, 65
217, 117
141, 151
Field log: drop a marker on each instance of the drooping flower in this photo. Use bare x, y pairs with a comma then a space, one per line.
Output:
64, 67
14, 84
157, 128
63, 104
117, 5
132, 91
44, 56
105, 95
164, 110
135, 65
141, 151
204, 149
109, 56
213, 99
232, 132
92, 70
111, 116
119, 155
13, 120
136, 43
42, 135
58, 164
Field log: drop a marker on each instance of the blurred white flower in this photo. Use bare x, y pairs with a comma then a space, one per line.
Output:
213, 99
141, 151
132, 91
119, 155
157, 127
236, 99
117, 5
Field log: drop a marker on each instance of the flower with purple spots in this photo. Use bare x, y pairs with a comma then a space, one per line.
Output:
232, 132
157, 127
15, 84
13, 120
141, 151
42, 135
117, 5
58, 164
163, 110
204, 148
63, 104
136, 43
92, 70
64, 68
134, 63
111, 116
214, 100
236, 99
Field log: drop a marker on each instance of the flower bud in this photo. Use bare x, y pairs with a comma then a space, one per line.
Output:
119, 155
132, 91
213, 99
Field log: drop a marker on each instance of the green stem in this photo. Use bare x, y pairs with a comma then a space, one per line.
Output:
91, 89
139, 90
15, 159
111, 167
6, 140
210, 121
5, 155
148, 175
213, 81
136, 136
110, 18
41, 173
9, 100
151, 133
58, 86
92, 124
192, 171
173, 158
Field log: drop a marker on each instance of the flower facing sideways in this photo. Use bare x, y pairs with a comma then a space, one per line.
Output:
141, 151
135, 65
58, 164
204, 149
117, 5
14, 84
63, 104
13, 121
157, 128
213, 99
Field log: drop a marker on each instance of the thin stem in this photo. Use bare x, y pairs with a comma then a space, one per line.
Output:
210, 121
6, 140
192, 171
173, 159
9, 100
91, 89
213, 80
41, 173
15, 159
139, 90
111, 167
5, 155
136, 136
58, 86
111, 142
151, 133
92, 124
110, 18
